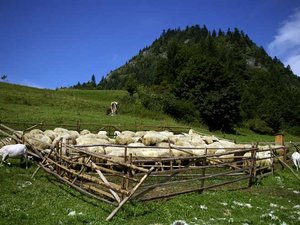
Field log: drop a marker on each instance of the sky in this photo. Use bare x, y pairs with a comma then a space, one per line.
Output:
58, 43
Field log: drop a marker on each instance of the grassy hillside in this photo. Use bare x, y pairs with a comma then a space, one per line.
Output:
67, 106
26, 104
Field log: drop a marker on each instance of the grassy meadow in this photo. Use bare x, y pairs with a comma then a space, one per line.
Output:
44, 200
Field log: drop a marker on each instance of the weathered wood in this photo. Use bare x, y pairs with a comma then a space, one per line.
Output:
252, 170
11, 136
113, 186
131, 193
44, 160
196, 189
75, 186
203, 171
98, 191
201, 178
107, 183
284, 163
111, 160
81, 170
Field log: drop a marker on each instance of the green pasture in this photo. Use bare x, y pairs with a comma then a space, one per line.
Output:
44, 200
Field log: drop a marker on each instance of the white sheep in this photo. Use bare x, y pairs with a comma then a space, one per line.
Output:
84, 132
38, 140
296, 159
60, 131
124, 139
153, 137
14, 151
51, 134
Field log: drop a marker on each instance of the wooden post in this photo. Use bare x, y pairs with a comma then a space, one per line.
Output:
78, 126
44, 160
252, 170
125, 172
204, 162
103, 178
272, 159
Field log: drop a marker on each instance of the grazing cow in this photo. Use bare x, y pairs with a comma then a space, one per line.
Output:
14, 151
113, 109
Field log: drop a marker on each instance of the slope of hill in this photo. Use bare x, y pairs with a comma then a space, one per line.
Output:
65, 106
220, 78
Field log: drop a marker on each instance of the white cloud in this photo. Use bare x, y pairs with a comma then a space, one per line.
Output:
30, 84
294, 62
286, 44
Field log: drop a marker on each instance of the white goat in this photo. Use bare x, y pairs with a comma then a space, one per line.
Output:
296, 159
14, 151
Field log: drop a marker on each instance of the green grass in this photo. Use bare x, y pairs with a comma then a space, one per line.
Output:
44, 200
25, 104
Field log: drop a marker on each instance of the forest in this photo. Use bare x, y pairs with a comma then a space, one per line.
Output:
218, 78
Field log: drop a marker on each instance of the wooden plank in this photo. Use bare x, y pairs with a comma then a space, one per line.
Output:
97, 190
44, 160
196, 189
103, 178
110, 160
131, 193
75, 186
202, 178
113, 186
81, 170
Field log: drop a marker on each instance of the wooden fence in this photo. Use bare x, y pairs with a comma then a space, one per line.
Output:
95, 127
116, 180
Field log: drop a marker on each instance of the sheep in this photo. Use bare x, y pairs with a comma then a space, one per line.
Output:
14, 151
60, 131
74, 133
210, 139
122, 139
128, 133
38, 140
140, 134
91, 141
263, 159
296, 159
35, 131
102, 132
153, 137
51, 134
127, 138
84, 132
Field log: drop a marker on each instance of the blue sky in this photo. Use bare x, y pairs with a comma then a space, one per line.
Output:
54, 43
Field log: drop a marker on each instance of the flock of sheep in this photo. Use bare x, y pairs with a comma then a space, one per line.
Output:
143, 144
